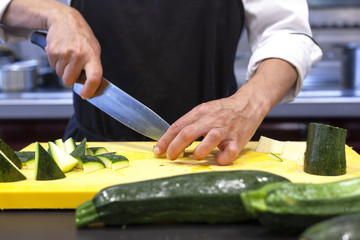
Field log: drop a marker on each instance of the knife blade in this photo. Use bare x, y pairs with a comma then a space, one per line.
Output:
118, 104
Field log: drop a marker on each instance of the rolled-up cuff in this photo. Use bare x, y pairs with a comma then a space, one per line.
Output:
298, 49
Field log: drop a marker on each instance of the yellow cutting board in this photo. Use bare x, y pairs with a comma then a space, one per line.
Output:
79, 187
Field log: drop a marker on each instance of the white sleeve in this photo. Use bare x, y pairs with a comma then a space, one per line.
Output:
280, 29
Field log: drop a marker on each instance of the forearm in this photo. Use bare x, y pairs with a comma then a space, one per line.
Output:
272, 81
35, 14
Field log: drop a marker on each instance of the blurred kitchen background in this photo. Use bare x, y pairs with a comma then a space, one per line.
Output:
35, 105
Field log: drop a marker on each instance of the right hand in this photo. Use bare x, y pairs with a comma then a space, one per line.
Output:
73, 47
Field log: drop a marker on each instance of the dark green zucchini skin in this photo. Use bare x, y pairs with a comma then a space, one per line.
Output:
340, 227
325, 150
292, 207
210, 197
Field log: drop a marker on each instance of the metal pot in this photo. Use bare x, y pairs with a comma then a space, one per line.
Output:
19, 76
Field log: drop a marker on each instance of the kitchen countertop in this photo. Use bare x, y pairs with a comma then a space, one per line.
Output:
40, 104
321, 103
57, 104
59, 224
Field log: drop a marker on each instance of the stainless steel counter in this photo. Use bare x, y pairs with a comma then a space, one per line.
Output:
36, 105
320, 104
58, 105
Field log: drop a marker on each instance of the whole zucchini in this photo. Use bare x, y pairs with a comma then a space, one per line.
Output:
209, 197
292, 207
337, 228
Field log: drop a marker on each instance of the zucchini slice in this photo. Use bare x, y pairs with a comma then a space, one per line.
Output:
65, 161
119, 162
27, 158
9, 172
9, 152
69, 145
79, 153
113, 161
268, 145
97, 150
45, 166
325, 150
106, 158
91, 164
59, 142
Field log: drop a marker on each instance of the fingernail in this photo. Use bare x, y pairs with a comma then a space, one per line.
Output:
84, 97
156, 150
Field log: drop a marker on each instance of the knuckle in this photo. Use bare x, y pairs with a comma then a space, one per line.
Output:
199, 154
187, 133
203, 108
233, 151
174, 129
216, 134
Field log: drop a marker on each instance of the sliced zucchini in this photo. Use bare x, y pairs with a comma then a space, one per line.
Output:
269, 145
69, 145
9, 152
45, 166
113, 161
79, 152
106, 158
27, 158
9, 172
294, 151
65, 161
89, 152
325, 150
119, 162
59, 142
91, 164
98, 150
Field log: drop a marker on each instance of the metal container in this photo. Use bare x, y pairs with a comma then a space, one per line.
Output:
351, 66
19, 76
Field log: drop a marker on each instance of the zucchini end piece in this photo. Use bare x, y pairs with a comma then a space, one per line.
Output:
86, 214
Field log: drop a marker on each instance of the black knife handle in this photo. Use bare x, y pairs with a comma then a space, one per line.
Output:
39, 38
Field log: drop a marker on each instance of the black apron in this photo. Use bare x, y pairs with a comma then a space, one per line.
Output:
170, 55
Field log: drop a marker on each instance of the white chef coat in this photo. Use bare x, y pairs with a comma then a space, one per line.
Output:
276, 29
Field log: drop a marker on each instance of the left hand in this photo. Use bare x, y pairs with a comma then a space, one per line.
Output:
230, 123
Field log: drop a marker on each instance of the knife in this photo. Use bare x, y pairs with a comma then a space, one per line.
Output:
117, 103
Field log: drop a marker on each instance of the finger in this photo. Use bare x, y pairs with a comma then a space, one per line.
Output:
72, 72
209, 143
60, 67
229, 153
93, 71
52, 57
185, 137
163, 143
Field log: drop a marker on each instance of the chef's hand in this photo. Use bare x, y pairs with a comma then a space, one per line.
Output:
71, 44
230, 123
72, 47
